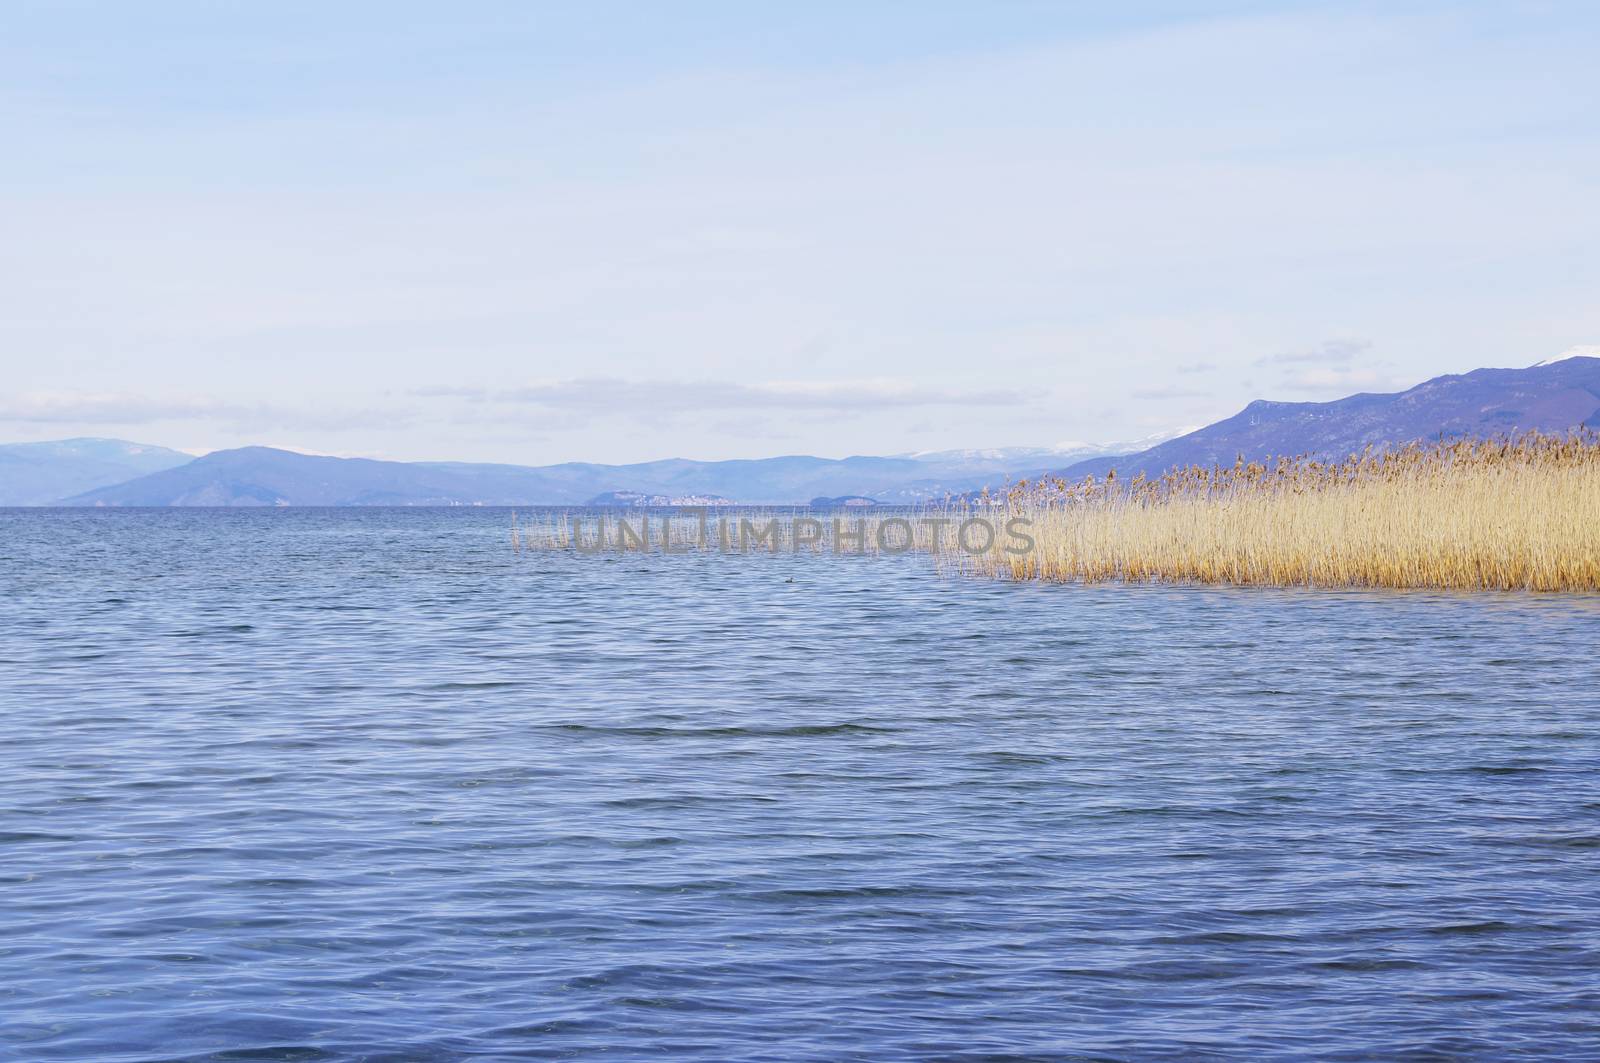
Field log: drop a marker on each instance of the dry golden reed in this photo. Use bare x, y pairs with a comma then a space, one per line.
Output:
1507, 514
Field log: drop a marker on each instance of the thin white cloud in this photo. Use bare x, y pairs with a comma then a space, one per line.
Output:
101, 407
1330, 380
1328, 352
1169, 393
613, 395
129, 408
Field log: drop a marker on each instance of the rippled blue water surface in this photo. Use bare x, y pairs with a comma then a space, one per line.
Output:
366, 785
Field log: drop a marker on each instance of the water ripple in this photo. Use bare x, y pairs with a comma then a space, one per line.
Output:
364, 785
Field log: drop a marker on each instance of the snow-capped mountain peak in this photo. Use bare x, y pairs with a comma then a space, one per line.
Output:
1071, 448
1588, 350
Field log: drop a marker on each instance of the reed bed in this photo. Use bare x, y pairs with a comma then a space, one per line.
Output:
1505, 514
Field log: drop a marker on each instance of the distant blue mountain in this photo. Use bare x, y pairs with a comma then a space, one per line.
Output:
1550, 397
37, 474
262, 476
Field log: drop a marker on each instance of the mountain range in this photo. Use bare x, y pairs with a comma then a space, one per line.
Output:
39, 474
266, 476
256, 476
1554, 396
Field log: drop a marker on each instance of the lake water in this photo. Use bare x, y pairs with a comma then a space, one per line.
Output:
366, 785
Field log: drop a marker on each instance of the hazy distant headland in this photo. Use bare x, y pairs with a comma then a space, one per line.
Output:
265, 476
1549, 397
45, 474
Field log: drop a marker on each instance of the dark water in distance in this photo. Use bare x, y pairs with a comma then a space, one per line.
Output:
363, 785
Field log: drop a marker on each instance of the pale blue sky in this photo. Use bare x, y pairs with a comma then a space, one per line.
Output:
531, 233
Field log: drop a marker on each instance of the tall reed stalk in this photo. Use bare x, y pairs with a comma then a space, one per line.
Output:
1508, 514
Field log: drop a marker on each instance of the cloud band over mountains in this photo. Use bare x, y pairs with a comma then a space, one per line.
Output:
596, 396
124, 408
610, 394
